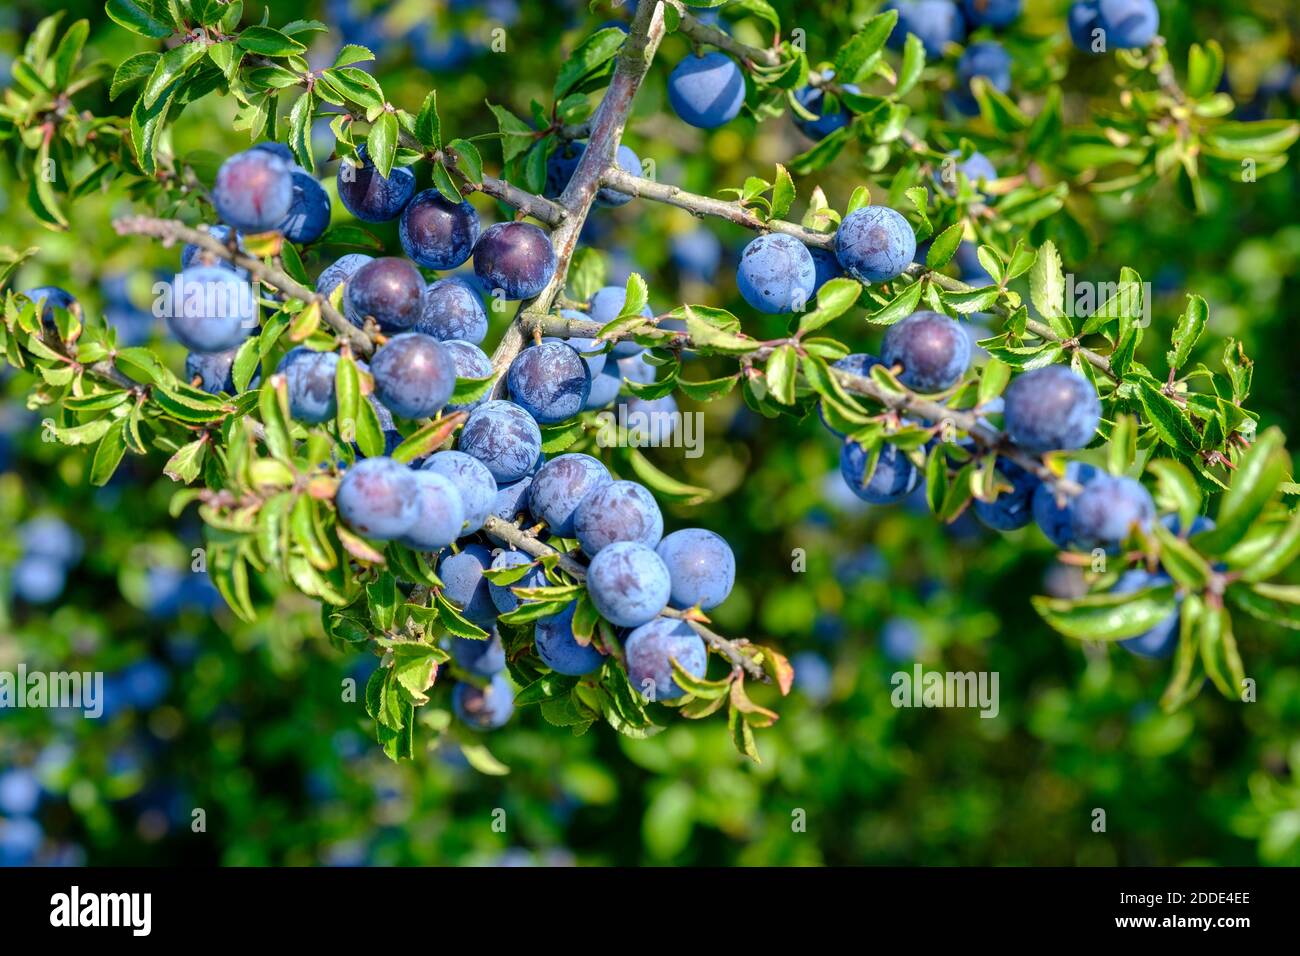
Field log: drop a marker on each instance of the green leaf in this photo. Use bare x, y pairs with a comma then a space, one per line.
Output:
468, 159
834, 298
781, 368
866, 43
1282, 550
1188, 330
137, 17
944, 246
184, 466
1176, 490
352, 53
1169, 419
1108, 617
596, 50
269, 42
1253, 485
1047, 289
783, 193
913, 63
427, 439
381, 143
273, 406
428, 127
172, 64
516, 135
109, 454
131, 71
1219, 652
1275, 603
480, 758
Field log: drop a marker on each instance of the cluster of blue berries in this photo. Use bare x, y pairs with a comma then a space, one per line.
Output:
635, 571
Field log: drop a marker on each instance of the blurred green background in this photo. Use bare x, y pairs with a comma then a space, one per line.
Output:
253, 725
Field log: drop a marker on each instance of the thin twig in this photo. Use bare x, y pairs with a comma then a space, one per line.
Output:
170, 231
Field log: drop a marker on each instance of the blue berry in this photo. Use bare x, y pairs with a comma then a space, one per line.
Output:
309, 211
253, 191
812, 676
812, 98
212, 311
989, 60
604, 388
606, 305
776, 274
515, 257
192, 255
340, 270
20, 792
620, 511
992, 13
894, 477
971, 269
51, 537
1128, 23
550, 382
512, 499
1084, 20
936, 23
707, 91
473, 482
975, 169
594, 357
1051, 408
651, 422
481, 658
875, 244
560, 486
502, 596
464, 585
628, 584
697, 254
414, 375
38, 580
377, 498
453, 310
214, 371
504, 437
701, 567
560, 650
310, 380
1011, 509
436, 232
390, 290
825, 265
369, 196
1052, 517
277, 149
564, 161
484, 708
1108, 509
650, 651
471, 362
932, 349
440, 513
900, 640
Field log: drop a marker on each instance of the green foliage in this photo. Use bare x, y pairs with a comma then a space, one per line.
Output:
263, 484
